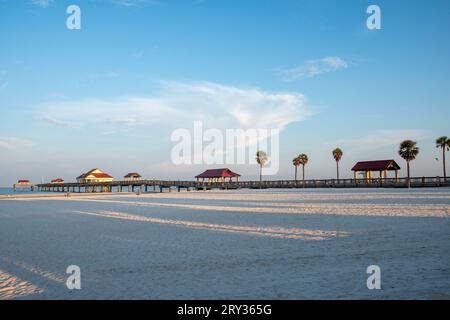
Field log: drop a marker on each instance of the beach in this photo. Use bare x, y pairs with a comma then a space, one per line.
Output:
240, 244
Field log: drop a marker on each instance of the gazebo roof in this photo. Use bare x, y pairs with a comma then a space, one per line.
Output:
218, 173
133, 175
99, 174
377, 165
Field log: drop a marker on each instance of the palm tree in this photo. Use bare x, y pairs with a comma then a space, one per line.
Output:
303, 159
408, 150
296, 163
337, 155
444, 143
261, 158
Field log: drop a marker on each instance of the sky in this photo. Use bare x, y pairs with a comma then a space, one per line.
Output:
111, 94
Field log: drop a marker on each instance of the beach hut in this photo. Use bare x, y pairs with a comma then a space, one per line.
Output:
367, 168
218, 175
94, 175
132, 176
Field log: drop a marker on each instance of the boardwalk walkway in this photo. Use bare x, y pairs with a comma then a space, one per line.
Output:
161, 185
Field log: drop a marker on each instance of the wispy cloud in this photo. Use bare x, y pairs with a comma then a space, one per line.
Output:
137, 54
109, 74
134, 3
179, 104
55, 122
312, 68
11, 143
124, 3
113, 74
42, 3
380, 139
57, 95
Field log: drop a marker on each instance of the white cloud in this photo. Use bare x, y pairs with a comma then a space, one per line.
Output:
311, 68
42, 3
11, 143
380, 139
180, 104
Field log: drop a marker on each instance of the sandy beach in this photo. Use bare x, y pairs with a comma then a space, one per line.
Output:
244, 244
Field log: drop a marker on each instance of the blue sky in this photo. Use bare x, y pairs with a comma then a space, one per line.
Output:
109, 95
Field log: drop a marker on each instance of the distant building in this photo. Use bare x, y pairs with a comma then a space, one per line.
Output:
133, 176
367, 168
22, 183
95, 175
58, 180
218, 175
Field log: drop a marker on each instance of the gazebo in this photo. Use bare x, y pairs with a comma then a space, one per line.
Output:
382, 166
132, 176
218, 175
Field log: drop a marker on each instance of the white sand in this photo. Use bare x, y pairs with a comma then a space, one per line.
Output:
292, 244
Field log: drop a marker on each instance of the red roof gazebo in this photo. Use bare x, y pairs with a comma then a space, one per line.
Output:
218, 175
94, 175
382, 166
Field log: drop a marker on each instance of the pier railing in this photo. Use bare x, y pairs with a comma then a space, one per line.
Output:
160, 185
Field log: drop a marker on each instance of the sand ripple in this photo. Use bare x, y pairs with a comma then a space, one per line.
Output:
274, 232
12, 287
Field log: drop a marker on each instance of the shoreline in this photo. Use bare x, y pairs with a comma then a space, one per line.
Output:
64, 195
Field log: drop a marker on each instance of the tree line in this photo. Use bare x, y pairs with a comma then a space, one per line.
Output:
408, 150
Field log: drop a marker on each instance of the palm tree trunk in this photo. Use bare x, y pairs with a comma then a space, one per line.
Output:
443, 157
409, 178
295, 173
260, 173
303, 169
337, 169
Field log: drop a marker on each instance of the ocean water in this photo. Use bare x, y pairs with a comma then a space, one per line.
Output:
6, 191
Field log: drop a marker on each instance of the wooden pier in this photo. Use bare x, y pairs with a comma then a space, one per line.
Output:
141, 186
